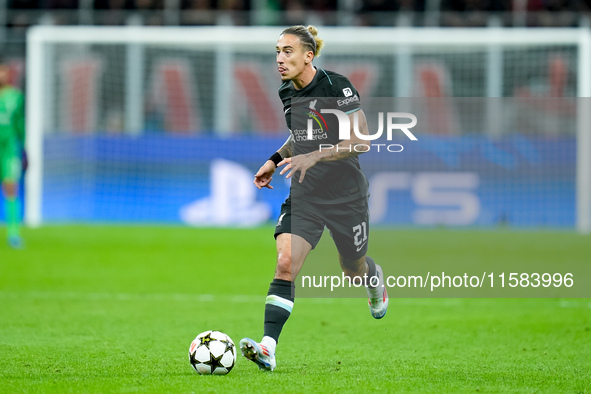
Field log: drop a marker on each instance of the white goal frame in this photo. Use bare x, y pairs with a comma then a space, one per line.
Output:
220, 38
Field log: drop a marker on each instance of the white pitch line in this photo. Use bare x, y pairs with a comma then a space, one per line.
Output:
130, 296
574, 304
231, 298
180, 297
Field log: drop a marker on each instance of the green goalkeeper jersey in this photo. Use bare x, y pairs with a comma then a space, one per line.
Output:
12, 116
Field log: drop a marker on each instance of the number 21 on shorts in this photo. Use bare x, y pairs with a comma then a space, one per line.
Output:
360, 235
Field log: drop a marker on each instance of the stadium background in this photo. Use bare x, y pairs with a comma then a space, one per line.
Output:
105, 163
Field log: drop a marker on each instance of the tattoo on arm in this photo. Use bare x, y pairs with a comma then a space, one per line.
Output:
286, 150
351, 147
344, 150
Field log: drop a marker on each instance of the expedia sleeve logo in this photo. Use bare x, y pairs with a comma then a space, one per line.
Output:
347, 92
349, 100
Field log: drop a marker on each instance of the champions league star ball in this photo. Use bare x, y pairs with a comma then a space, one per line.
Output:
212, 353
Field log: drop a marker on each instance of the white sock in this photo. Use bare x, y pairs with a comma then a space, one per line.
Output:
269, 343
376, 292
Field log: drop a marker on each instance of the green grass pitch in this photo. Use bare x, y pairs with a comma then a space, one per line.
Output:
114, 309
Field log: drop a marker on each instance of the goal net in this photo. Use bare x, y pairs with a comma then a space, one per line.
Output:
149, 124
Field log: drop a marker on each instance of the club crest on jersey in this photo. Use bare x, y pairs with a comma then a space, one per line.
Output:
313, 104
347, 92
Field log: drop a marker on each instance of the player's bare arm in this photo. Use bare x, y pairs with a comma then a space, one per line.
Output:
287, 149
343, 150
265, 174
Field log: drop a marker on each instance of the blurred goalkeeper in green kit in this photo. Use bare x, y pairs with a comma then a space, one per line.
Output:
12, 156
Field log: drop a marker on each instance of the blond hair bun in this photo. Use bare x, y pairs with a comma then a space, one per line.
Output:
319, 41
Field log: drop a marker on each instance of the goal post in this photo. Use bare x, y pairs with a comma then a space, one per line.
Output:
583, 168
214, 50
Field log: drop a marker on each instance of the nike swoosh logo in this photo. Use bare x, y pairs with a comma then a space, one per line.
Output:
361, 246
287, 110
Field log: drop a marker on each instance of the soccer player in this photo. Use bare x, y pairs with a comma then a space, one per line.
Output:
12, 140
328, 188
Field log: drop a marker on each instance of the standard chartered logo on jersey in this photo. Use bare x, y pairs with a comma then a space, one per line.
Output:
312, 133
409, 121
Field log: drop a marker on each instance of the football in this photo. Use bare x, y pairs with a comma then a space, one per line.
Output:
212, 353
